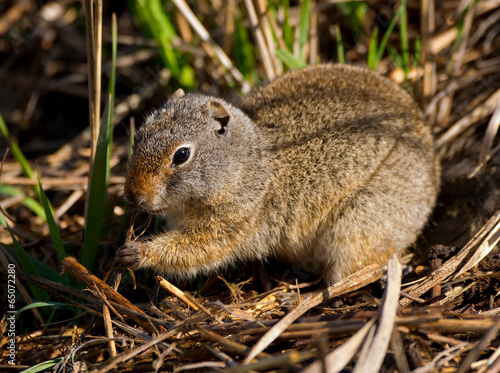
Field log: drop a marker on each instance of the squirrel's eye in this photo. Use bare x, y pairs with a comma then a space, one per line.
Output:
181, 156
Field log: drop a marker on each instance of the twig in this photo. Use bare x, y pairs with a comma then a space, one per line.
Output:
442, 358
229, 25
340, 357
70, 201
478, 348
135, 351
427, 13
399, 352
108, 329
458, 57
14, 13
263, 11
493, 362
489, 136
93, 12
259, 38
482, 241
478, 113
81, 273
355, 281
226, 343
189, 301
205, 36
273, 362
372, 360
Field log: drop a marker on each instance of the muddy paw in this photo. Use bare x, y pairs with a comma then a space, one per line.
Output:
130, 255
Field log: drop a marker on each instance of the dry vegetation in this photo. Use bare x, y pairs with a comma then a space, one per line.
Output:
440, 316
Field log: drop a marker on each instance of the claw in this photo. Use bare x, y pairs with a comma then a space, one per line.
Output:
130, 255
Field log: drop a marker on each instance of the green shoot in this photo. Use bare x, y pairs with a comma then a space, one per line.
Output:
460, 27
18, 155
32, 204
403, 30
153, 18
355, 13
305, 17
111, 86
416, 53
26, 263
100, 172
16, 151
388, 32
244, 52
42, 366
97, 193
340, 46
289, 59
372, 50
54, 230
287, 28
43, 304
375, 53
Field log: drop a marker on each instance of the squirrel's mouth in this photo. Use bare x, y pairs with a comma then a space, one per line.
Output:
157, 211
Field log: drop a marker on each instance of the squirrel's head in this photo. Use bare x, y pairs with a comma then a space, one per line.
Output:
194, 148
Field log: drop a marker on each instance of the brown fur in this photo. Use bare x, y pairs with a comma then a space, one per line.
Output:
330, 167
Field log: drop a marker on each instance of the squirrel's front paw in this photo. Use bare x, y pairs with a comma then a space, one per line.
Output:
130, 255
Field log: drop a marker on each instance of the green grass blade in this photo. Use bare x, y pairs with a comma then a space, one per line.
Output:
289, 59
460, 26
287, 27
340, 46
44, 304
153, 19
111, 92
26, 263
305, 17
97, 194
18, 155
387, 34
396, 57
416, 53
42, 366
101, 169
16, 151
164, 32
2, 220
403, 33
244, 52
32, 204
372, 50
54, 230
46, 271
157, 24
355, 12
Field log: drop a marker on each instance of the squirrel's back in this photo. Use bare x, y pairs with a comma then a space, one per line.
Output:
336, 96
354, 164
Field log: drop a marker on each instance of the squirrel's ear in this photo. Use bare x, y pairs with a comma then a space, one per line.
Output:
179, 93
218, 112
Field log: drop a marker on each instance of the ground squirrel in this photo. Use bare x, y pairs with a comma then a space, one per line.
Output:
330, 167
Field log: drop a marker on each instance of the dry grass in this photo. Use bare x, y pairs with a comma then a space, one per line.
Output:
443, 317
